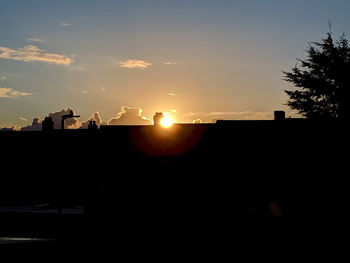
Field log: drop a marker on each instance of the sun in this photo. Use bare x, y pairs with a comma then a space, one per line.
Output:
166, 121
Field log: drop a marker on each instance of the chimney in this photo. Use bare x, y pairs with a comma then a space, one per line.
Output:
157, 118
47, 124
92, 125
279, 115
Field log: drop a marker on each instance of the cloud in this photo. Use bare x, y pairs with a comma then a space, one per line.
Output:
197, 121
33, 39
212, 117
65, 24
13, 128
71, 123
242, 115
84, 91
3, 78
33, 53
94, 117
35, 126
170, 63
134, 63
129, 116
79, 68
172, 94
10, 93
103, 89
216, 119
23, 119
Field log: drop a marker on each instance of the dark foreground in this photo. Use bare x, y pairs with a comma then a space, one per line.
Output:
190, 192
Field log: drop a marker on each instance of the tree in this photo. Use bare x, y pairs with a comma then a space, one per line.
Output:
322, 82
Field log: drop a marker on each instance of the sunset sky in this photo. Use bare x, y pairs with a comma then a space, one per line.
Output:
195, 59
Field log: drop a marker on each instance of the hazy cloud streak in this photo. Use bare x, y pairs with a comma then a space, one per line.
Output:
65, 24
10, 93
243, 115
34, 39
135, 63
33, 53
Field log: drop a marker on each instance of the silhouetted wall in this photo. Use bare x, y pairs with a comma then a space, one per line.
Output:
291, 162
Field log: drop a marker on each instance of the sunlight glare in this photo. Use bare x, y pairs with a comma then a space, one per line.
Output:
166, 121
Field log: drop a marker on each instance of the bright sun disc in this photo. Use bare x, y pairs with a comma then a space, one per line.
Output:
166, 122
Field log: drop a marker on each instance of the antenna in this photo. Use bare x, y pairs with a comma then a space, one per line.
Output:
67, 116
330, 25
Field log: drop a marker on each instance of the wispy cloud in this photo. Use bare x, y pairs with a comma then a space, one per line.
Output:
169, 63
34, 39
242, 115
135, 63
10, 93
103, 89
64, 24
78, 68
171, 94
23, 119
84, 91
209, 117
3, 78
33, 53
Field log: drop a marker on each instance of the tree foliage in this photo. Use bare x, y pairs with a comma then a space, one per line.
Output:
322, 81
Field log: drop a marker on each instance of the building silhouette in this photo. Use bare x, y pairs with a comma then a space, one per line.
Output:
141, 182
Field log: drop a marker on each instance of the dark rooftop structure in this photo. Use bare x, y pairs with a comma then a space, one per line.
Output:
146, 180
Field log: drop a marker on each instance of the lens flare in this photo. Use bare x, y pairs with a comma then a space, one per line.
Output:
166, 122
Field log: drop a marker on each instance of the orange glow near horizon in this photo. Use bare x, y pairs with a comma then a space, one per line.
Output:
166, 121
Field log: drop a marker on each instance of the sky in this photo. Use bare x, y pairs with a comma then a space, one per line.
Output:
193, 59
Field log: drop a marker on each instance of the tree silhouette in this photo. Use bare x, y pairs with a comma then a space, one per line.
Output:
322, 82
